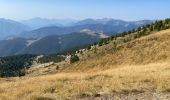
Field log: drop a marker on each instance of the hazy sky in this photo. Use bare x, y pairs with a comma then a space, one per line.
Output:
80, 9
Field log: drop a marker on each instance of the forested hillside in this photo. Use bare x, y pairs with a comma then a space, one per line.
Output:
15, 65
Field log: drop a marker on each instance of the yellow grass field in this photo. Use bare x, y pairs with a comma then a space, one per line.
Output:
142, 78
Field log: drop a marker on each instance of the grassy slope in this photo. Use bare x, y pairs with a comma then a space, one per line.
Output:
145, 50
137, 66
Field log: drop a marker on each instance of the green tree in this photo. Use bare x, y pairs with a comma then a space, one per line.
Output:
103, 41
158, 25
74, 58
139, 29
88, 47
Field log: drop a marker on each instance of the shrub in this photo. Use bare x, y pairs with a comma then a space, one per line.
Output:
103, 41
74, 58
88, 47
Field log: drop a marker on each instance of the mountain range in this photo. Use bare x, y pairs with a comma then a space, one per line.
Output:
52, 37
46, 45
36, 23
128, 66
97, 25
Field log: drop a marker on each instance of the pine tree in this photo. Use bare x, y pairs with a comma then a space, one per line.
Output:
74, 58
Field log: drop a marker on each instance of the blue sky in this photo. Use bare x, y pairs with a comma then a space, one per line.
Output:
81, 9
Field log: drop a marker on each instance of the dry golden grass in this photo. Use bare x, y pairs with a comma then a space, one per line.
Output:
145, 50
152, 77
138, 66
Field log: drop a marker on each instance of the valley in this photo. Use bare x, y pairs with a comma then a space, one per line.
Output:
38, 40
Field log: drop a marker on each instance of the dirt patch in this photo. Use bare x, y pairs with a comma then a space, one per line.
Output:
132, 96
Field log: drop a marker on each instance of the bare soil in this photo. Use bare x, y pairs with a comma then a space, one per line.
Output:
132, 96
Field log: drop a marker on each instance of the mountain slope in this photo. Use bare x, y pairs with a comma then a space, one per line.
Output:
149, 49
11, 47
56, 44
138, 67
130, 65
48, 44
9, 27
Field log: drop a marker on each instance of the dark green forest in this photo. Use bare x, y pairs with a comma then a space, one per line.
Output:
15, 65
